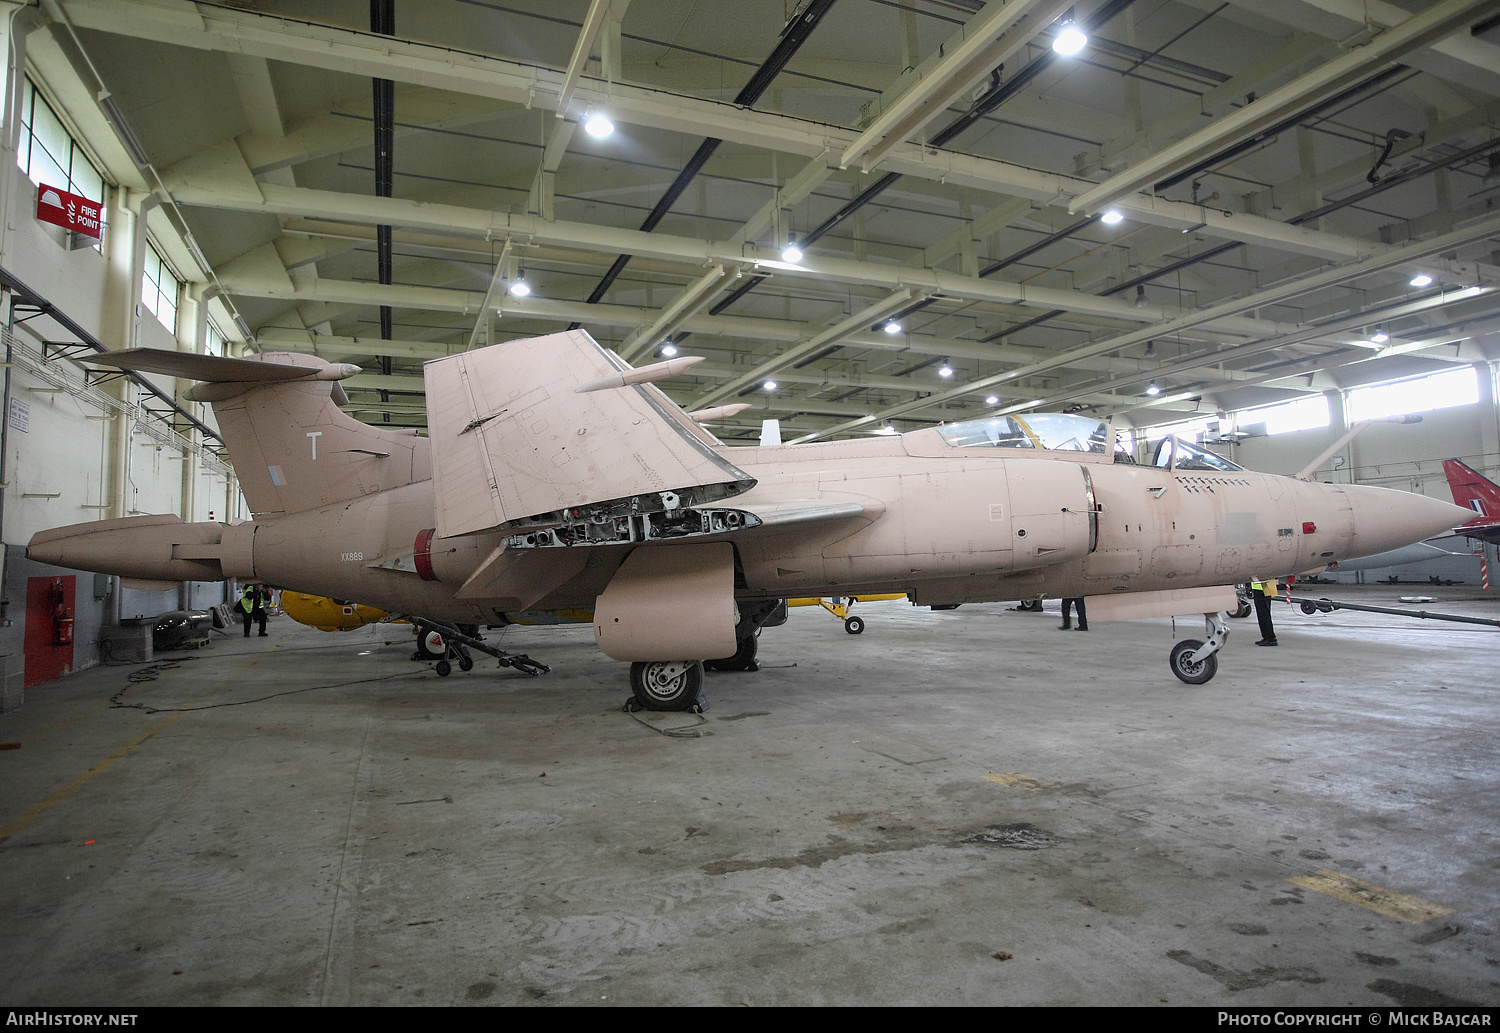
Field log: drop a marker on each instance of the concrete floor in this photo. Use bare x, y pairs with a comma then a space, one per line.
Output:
868, 820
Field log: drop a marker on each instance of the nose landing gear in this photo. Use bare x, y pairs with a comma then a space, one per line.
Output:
1195, 662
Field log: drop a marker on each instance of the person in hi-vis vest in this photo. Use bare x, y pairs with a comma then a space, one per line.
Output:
253, 603
1261, 593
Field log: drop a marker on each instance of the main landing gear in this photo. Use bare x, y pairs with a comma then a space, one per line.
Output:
1195, 662
451, 643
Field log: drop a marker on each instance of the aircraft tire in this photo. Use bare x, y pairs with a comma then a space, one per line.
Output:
1185, 669
1309, 608
667, 684
1242, 610
854, 625
743, 658
443, 668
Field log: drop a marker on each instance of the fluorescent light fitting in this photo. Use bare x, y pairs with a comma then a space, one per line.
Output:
1379, 336
1421, 280
992, 400
791, 253
769, 385
520, 288
945, 371
1141, 301
598, 126
892, 327
1113, 217
1152, 389
669, 350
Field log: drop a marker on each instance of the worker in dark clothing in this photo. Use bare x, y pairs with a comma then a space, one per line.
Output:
1261, 594
1083, 616
253, 603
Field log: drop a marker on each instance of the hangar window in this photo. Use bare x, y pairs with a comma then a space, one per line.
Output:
160, 289
1188, 430
1419, 394
213, 343
1303, 414
47, 152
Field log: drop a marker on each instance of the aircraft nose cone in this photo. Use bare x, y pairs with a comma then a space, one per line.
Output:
1388, 519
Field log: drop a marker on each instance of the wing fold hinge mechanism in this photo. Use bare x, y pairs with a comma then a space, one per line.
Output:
602, 526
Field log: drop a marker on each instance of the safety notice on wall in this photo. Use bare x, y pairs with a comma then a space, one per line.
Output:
20, 416
71, 211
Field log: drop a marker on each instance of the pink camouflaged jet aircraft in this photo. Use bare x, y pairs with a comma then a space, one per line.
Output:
556, 477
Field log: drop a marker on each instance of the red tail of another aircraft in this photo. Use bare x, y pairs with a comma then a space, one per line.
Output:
1473, 490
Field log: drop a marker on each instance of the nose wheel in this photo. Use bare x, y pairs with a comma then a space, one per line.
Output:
1196, 662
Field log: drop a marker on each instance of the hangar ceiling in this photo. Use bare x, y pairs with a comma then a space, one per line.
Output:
1284, 169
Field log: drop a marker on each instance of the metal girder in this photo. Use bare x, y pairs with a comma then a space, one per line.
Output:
682, 308
853, 324
1213, 313
366, 54
469, 222
496, 287
991, 37
1366, 12
593, 21
1191, 363
1437, 22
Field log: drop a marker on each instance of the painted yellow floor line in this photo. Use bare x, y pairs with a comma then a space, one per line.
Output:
1368, 895
1016, 780
37, 810
65, 721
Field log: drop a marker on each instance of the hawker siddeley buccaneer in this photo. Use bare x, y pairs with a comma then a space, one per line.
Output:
556, 477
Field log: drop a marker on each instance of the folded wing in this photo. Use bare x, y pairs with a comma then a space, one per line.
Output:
515, 445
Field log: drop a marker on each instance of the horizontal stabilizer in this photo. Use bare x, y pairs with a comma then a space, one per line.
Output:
514, 445
212, 369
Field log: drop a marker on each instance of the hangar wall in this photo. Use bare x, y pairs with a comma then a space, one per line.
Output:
71, 457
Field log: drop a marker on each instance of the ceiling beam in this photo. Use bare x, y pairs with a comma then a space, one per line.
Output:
1441, 20
992, 37
369, 55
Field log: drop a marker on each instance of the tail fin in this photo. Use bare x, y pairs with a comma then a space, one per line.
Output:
1474, 490
292, 447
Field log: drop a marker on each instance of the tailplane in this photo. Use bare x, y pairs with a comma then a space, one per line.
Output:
292, 447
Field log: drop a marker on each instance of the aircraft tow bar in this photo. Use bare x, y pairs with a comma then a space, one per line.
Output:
1329, 605
453, 636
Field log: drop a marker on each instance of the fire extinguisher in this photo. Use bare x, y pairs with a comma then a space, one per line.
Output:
62, 616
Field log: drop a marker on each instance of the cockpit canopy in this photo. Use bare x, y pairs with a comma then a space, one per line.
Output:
1065, 432
1189, 457
1059, 432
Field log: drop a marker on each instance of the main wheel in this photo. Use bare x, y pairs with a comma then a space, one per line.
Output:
854, 625
1242, 609
1187, 670
743, 658
667, 684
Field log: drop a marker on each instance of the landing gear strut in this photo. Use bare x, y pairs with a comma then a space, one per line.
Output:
753, 617
455, 641
1195, 662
